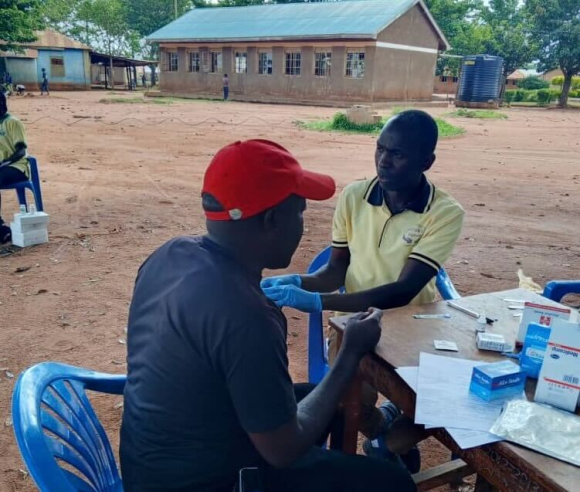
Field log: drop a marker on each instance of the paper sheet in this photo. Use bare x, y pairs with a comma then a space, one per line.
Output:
464, 438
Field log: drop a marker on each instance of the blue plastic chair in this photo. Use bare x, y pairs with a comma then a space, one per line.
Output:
556, 289
317, 348
55, 424
33, 185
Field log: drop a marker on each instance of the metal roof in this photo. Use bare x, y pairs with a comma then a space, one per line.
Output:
349, 19
53, 39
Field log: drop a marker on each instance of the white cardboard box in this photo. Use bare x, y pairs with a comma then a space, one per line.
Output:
540, 314
25, 239
559, 381
29, 222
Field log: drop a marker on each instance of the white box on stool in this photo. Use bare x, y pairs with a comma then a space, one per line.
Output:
25, 239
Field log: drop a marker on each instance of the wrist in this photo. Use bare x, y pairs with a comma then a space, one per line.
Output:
348, 358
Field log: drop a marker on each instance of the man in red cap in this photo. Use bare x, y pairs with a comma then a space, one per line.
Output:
208, 389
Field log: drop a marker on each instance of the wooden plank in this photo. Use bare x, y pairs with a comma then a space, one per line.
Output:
452, 471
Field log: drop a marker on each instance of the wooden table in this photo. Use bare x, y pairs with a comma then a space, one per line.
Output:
505, 466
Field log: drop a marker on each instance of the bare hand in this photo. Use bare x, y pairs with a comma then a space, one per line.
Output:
362, 332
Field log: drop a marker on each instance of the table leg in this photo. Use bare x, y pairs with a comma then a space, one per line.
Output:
482, 485
346, 439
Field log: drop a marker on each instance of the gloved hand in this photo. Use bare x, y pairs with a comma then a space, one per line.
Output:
281, 280
294, 297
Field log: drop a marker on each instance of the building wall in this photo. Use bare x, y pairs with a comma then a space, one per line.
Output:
405, 60
445, 84
23, 71
403, 71
76, 68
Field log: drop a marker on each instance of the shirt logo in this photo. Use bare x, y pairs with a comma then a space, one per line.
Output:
413, 234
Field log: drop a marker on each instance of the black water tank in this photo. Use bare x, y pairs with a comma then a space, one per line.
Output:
481, 79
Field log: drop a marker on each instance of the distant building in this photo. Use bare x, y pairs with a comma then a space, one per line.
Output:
447, 84
316, 52
66, 61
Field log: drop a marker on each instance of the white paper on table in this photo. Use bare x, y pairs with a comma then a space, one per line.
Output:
464, 438
443, 397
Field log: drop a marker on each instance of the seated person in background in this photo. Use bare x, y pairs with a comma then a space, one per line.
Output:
208, 389
390, 236
13, 162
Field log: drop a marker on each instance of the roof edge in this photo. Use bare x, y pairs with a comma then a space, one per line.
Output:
350, 37
434, 24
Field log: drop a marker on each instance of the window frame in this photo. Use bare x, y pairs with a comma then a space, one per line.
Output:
189, 61
326, 62
61, 70
269, 63
358, 64
170, 57
238, 56
295, 63
219, 61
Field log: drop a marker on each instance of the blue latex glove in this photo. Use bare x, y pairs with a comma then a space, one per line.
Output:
281, 280
294, 297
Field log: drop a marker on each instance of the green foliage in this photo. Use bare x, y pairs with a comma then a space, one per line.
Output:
484, 114
556, 27
544, 97
558, 80
509, 96
340, 123
532, 83
19, 19
519, 95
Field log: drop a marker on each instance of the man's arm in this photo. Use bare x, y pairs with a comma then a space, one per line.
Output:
19, 154
414, 277
331, 276
282, 446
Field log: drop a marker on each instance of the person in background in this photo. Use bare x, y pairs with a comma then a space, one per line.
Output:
208, 389
14, 166
44, 85
226, 84
144, 79
390, 236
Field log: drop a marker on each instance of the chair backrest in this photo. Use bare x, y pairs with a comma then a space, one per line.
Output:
60, 438
317, 356
556, 289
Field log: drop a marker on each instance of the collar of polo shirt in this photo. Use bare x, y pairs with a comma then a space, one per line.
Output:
419, 204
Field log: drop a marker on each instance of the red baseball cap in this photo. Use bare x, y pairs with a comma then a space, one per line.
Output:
249, 177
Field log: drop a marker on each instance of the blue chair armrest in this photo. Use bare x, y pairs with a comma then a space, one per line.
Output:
557, 289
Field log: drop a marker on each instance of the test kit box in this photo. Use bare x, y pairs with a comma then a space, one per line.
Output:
29, 229
497, 380
539, 314
559, 381
534, 351
491, 341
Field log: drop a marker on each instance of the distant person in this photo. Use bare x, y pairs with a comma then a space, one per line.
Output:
20, 89
144, 79
44, 86
226, 83
13, 162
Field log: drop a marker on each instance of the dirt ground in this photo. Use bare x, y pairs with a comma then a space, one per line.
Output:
121, 179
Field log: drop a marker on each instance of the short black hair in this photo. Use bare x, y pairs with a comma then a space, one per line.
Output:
419, 124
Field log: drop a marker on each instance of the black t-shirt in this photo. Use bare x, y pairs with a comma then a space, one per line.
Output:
207, 364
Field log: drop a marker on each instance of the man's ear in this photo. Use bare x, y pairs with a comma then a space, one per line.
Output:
429, 162
270, 219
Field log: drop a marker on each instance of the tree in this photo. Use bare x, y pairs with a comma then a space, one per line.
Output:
533, 83
18, 22
509, 34
458, 19
556, 26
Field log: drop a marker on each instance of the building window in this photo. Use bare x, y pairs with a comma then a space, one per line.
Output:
171, 63
241, 63
265, 63
57, 67
355, 64
322, 62
455, 79
293, 63
194, 61
215, 61
443, 78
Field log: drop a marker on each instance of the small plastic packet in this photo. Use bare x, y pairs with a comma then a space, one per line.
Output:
541, 428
